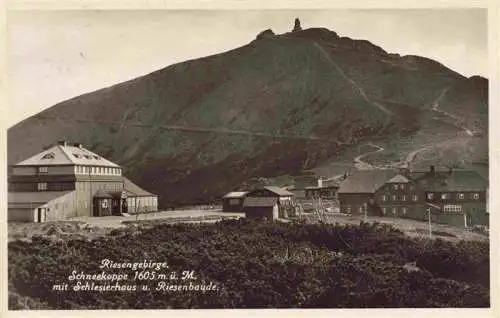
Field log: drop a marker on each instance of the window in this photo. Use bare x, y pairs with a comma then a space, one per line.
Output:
360, 209
395, 186
394, 198
444, 196
452, 208
42, 186
349, 209
430, 196
475, 196
460, 196
415, 197
394, 211
384, 198
49, 155
384, 211
404, 211
43, 169
403, 198
402, 187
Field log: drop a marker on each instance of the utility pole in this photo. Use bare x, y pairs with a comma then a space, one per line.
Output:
90, 192
366, 213
430, 223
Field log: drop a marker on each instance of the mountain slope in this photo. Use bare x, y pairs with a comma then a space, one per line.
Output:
279, 105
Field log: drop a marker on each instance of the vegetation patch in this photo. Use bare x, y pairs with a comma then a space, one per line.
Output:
261, 265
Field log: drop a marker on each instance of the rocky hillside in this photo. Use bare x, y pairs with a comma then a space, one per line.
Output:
280, 105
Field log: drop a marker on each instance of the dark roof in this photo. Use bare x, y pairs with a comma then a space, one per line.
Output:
133, 189
279, 191
259, 202
299, 193
101, 193
34, 198
366, 181
457, 180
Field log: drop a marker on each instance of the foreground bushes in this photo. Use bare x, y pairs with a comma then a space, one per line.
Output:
262, 264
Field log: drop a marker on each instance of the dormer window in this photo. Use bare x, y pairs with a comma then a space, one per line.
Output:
77, 156
96, 157
87, 157
49, 155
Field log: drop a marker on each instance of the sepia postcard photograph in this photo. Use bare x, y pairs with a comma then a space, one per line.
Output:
248, 159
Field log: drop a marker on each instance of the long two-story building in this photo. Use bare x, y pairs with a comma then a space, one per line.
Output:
67, 181
455, 196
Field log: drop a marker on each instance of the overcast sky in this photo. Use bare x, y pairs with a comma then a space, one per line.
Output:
56, 55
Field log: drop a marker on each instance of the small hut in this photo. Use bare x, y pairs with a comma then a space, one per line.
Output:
233, 201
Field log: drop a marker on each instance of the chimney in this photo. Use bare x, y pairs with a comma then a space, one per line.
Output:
63, 143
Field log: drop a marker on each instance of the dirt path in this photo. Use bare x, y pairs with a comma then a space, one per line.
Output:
190, 129
350, 80
456, 120
362, 165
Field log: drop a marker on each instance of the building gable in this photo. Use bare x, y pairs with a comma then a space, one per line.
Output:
398, 179
65, 154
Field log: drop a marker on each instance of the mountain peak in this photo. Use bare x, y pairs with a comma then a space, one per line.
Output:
281, 105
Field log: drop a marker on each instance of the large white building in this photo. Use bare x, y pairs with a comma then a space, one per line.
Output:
67, 181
